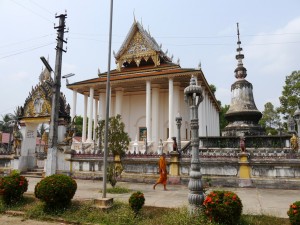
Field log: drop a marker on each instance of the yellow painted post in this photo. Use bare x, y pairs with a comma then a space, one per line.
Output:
244, 170
174, 177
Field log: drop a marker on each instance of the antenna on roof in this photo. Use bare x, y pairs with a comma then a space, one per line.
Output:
134, 16
199, 65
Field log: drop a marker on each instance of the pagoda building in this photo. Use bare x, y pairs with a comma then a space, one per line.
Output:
147, 91
242, 115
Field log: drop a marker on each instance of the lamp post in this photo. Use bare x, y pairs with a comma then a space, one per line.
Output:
178, 124
297, 119
291, 124
193, 96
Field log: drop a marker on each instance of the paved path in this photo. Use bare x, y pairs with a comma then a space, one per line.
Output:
255, 201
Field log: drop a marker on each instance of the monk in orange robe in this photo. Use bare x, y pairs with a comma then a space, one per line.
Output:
162, 171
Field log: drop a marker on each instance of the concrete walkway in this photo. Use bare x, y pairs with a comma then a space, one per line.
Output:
273, 202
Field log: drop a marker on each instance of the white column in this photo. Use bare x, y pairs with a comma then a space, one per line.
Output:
148, 109
119, 100
102, 106
74, 104
84, 118
176, 109
155, 115
205, 114
201, 117
171, 112
95, 120
89, 139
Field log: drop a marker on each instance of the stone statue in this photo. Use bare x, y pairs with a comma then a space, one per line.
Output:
174, 144
294, 142
69, 137
242, 144
17, 141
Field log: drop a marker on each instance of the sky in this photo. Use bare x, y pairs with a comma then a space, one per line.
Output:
193, 31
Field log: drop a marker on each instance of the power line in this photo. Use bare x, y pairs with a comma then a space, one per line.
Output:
31, 39
28, 50
32, 11
41, 7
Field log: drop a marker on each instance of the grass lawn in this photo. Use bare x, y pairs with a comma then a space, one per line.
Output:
84, 213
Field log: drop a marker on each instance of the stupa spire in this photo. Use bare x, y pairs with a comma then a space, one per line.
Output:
240, 71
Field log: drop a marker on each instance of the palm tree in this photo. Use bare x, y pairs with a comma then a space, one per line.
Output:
6, 121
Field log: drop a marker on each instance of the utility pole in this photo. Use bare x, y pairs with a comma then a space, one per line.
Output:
53, 133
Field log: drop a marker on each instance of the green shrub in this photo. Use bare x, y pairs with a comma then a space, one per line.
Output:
136, 201
223, 207
12, 187
56, 190
294, 213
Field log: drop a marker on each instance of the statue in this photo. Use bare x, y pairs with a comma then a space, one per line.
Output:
69, 137
45, 139
242, 144
174, 144
294, 142
17, 141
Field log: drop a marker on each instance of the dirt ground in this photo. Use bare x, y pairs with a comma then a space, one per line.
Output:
15, 220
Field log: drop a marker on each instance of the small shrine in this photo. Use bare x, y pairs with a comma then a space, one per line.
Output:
35, 111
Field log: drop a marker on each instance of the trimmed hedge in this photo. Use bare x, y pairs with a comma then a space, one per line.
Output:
12, 187
56, 190
223, 207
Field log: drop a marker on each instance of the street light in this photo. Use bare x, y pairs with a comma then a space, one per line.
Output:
67, 76
193, 96
45, 62
297, 119
178, 123
291, 124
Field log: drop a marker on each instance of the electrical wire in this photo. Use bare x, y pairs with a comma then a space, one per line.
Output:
31, 39
32, 11
41, 7
27, 50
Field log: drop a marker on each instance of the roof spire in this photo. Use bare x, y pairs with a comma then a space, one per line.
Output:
240, 71
134, 16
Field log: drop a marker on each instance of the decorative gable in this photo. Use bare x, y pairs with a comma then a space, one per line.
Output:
138, 46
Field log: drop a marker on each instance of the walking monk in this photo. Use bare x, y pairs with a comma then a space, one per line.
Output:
162, 171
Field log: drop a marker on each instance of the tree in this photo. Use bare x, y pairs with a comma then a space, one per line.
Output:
6, 121
223, 121
118, 139
270, 119
213, 88
290, 98
78, 125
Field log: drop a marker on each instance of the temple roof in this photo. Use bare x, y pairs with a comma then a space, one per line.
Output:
140, 58
139, 46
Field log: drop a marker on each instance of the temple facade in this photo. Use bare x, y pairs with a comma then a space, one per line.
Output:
242, 115
147, 91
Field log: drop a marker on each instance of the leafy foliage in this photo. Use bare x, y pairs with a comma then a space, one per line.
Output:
113, 172
56, 190
270, 119
118, 139
136, 201
6, 121
294, 213
290, 98
223, 207
223, 121
12, 187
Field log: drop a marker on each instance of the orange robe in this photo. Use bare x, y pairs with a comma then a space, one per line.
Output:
162, 171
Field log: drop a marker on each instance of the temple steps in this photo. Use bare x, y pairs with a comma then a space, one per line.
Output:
36, 172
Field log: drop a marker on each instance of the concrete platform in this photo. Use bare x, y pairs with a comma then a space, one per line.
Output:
256, 201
